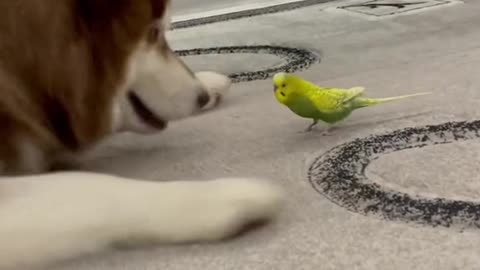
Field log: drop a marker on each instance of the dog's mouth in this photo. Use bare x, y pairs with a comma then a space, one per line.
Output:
144, 113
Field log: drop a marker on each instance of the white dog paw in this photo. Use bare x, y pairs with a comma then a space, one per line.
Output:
236, 203
219, 209
216, 84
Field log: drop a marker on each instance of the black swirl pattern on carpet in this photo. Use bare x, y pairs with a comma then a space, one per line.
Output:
339, 175
295, 59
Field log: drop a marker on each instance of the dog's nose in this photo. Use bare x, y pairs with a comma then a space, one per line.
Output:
203, 99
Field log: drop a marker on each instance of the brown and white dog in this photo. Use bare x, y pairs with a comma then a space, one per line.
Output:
73, 72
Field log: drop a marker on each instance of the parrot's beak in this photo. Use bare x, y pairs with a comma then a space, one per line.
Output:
275, 88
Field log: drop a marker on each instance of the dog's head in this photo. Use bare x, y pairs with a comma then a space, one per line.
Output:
75, 70
158, 86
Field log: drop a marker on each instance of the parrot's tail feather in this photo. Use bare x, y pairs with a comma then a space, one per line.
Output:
365, 102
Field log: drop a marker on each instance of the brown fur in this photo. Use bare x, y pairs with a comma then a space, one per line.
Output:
60, 66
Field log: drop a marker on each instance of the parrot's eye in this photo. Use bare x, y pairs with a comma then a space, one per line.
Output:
283, 94
284, 85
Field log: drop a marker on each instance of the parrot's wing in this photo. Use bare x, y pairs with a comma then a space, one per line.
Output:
332, 100
329, 100
353, 93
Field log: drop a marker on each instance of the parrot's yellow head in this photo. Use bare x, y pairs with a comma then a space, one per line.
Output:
283, 87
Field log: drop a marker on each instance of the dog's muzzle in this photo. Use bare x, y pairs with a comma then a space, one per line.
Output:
144, 113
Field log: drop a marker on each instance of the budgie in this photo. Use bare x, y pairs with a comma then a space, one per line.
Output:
330, 105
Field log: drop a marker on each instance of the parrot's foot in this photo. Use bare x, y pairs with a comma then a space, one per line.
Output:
310, 127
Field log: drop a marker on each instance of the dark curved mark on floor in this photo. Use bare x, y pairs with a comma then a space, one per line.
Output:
379, 8
340, 175
246, 13
376, 5
296, 59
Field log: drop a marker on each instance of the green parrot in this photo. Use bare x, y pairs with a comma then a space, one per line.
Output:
330, 105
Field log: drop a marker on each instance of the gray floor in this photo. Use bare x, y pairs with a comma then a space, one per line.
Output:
251, 135
184, 7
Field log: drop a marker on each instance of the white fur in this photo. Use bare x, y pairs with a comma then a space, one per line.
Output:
59, 216
163, 83
51, 217
166, 20
217, 86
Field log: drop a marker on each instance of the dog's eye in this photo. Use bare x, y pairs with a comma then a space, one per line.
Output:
153, 35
